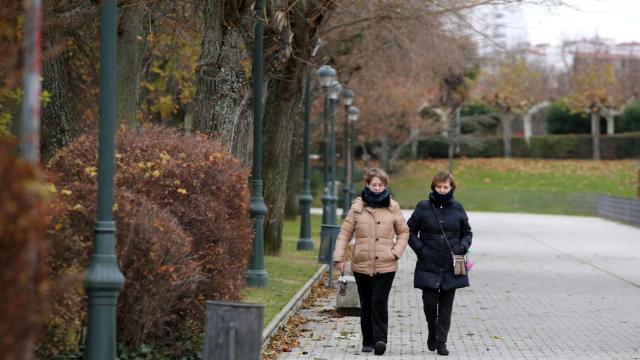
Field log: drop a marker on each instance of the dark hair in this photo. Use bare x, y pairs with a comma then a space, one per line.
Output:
443, 177
376, 172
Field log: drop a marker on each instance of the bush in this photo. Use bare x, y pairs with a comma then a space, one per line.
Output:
22, 224
183, 231
159, 301
560, 120
622, 146
630, 119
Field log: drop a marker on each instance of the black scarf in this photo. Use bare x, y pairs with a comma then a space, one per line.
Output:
379, 200
440, 199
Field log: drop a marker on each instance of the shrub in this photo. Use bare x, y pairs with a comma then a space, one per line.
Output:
159, 301
182, 219
622, 146
560, 120
22, 224
630, 119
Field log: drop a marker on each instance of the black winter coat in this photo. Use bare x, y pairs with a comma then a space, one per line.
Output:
434, 268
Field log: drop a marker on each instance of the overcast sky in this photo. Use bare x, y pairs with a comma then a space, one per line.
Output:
617, 19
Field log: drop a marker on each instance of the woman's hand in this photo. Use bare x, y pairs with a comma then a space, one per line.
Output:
340, 265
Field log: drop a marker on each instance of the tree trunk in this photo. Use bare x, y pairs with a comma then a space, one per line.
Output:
294, 180
415, 133
223, 91
385, 153
58, 122
281, 108
611, 123
131, 42
595, 134
507, 118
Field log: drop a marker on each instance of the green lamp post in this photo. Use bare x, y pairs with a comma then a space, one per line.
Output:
305, 242
352, 114
103, 278
347, 100
334, 96
256, 275
326, 74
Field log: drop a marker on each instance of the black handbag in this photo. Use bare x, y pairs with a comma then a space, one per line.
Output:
459, 261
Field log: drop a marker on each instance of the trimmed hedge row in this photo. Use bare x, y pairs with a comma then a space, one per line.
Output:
622, 146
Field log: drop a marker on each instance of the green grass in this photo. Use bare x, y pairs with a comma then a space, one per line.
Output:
288, 271
519, 185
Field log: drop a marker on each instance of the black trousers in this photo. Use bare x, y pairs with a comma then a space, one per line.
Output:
374, 296
438, 304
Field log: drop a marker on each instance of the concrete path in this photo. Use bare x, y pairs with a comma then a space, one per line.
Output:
543, 287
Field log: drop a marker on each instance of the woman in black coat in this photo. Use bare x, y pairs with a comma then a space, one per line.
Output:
434, 268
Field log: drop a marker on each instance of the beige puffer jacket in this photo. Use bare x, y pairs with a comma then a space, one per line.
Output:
376, 241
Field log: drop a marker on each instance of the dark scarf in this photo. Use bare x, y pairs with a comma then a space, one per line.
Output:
440, 199
378, 200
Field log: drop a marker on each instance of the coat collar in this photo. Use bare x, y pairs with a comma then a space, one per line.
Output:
358, 205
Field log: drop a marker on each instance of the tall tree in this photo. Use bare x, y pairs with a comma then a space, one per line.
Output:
59, 124
223, 89
290, 40
131, 40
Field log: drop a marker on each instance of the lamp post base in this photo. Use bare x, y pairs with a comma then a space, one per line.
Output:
256, 278
304, 244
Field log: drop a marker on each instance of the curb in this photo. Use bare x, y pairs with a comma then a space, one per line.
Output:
292, 306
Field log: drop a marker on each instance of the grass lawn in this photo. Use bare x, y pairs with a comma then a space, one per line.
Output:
287, 272
527, 185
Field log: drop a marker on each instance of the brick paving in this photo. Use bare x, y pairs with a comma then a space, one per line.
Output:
543, 287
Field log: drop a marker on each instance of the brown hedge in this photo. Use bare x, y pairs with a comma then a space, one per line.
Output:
176, 186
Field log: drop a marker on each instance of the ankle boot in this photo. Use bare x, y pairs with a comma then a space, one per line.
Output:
442, 349
431, 341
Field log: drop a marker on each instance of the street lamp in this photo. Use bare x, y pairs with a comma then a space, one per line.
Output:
334, 96
256, 275
347, 100
353, 115
305, 242
103, 278
326, 74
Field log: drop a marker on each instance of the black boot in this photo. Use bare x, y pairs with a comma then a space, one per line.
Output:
380, 348
442, 349
431, 341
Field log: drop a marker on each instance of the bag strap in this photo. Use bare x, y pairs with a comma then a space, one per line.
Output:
441, 229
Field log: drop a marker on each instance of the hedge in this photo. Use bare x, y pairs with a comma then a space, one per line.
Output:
621, 146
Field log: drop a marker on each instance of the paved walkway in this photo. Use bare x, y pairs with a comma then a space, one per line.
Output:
543, 287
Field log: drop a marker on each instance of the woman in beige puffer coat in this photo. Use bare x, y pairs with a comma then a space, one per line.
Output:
381, 235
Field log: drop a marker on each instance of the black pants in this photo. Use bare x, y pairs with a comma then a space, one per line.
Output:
374, 295
438, 305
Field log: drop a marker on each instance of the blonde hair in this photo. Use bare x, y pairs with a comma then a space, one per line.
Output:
376, 172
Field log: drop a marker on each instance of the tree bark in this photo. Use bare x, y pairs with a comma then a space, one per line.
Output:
131, 42
59, 126
595, 134
223, 91
293, 25
281, 108
294, 179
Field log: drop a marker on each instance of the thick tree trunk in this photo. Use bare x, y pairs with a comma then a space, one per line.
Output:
281, 108
507, 118
595, 134
59, 127
294, 179
223, 92
131, 40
